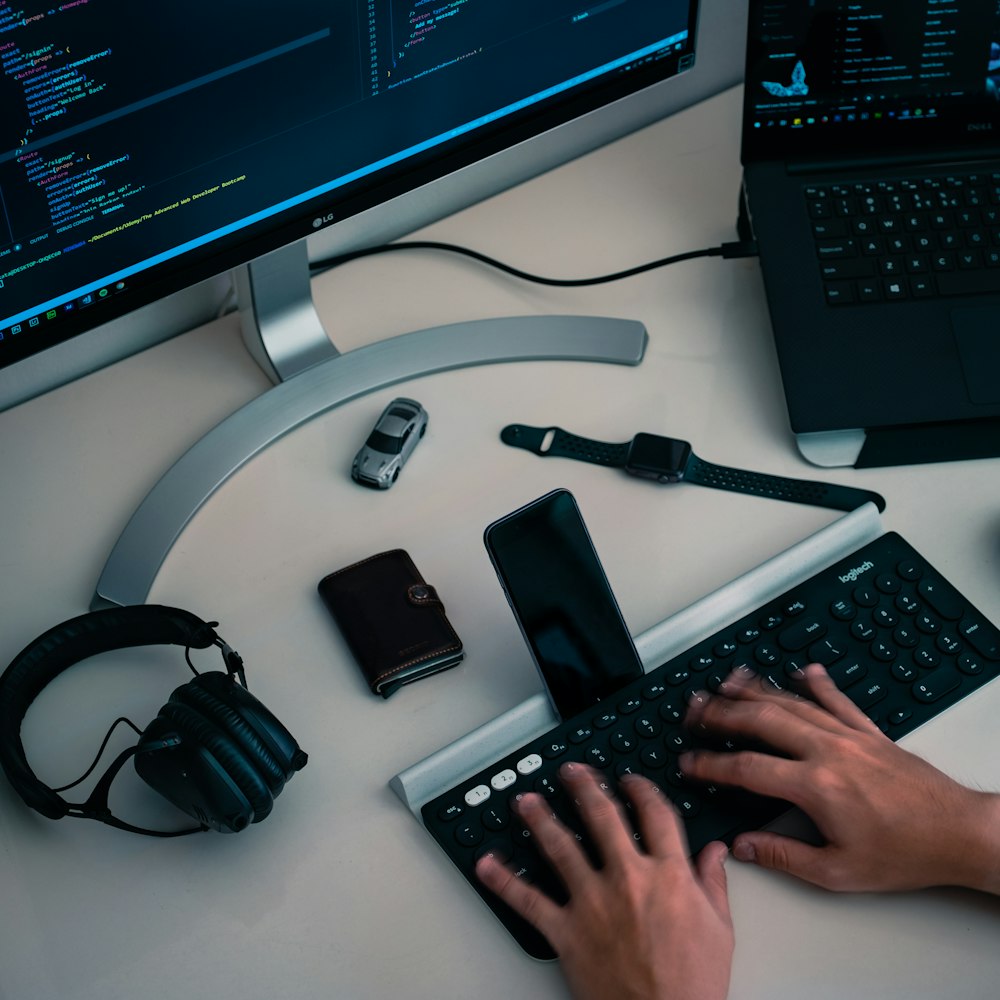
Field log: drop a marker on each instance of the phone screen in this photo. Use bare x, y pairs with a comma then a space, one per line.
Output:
562, 600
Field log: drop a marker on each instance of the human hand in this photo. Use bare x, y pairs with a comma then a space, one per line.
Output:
647, 924
890, 820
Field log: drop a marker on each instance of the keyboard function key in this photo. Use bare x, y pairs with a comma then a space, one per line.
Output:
528, 765
503, 780
477, 796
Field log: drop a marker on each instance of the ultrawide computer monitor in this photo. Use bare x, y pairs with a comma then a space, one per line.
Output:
145, 148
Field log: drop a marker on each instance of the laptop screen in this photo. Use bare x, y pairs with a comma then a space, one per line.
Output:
832, 78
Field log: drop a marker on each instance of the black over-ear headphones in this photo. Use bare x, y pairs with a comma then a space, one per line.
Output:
213, 750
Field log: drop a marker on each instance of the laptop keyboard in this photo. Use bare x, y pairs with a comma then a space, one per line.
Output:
893, 241
893, 633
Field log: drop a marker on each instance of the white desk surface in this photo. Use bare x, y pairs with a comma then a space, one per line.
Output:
340, 893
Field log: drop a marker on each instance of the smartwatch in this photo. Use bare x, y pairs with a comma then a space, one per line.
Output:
671, 460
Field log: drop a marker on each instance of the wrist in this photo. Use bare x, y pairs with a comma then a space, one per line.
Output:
978, 860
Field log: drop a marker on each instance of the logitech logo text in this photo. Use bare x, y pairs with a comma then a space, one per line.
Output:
853, 574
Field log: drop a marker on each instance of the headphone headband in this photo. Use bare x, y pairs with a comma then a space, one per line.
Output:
42, 660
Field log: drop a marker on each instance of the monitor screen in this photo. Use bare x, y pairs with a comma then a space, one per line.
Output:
144, 147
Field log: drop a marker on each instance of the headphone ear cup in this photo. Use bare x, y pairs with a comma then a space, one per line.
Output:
193, 726
264, 741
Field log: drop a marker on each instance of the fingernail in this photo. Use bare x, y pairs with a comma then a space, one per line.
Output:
744, 851
685, 760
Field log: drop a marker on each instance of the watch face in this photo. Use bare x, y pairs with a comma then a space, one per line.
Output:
655, 457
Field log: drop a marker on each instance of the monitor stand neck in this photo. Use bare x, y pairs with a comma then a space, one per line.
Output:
281, 328
285, 336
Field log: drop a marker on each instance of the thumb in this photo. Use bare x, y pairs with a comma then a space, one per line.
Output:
712, 875
784, 854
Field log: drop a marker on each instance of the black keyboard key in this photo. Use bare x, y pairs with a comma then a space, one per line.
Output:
870, 694
981, 637
936, 685
847, 673
942, 599
836, 249
826, 652
801, 634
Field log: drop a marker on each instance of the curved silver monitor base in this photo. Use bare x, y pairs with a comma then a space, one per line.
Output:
159, 520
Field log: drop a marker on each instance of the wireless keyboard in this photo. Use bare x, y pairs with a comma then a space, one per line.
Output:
896, 637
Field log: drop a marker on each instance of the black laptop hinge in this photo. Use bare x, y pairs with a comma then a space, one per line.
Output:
940, 161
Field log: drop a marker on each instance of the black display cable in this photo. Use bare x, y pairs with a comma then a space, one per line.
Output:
728, 251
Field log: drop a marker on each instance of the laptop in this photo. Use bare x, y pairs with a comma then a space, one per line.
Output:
871, 156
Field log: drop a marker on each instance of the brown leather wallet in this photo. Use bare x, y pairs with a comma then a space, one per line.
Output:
393, 621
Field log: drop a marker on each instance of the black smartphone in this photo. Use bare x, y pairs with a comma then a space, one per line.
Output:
561, 598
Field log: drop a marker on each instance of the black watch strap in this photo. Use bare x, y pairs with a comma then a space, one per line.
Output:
562, 444
555, 441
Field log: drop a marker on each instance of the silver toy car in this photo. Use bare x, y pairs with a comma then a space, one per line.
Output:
390, 444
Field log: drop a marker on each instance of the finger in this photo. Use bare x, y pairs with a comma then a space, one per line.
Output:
710, 867
525, 900
762, 773
660, 826
790, 727
602, 815
784, 854
743, 685
554, 841
819, 685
